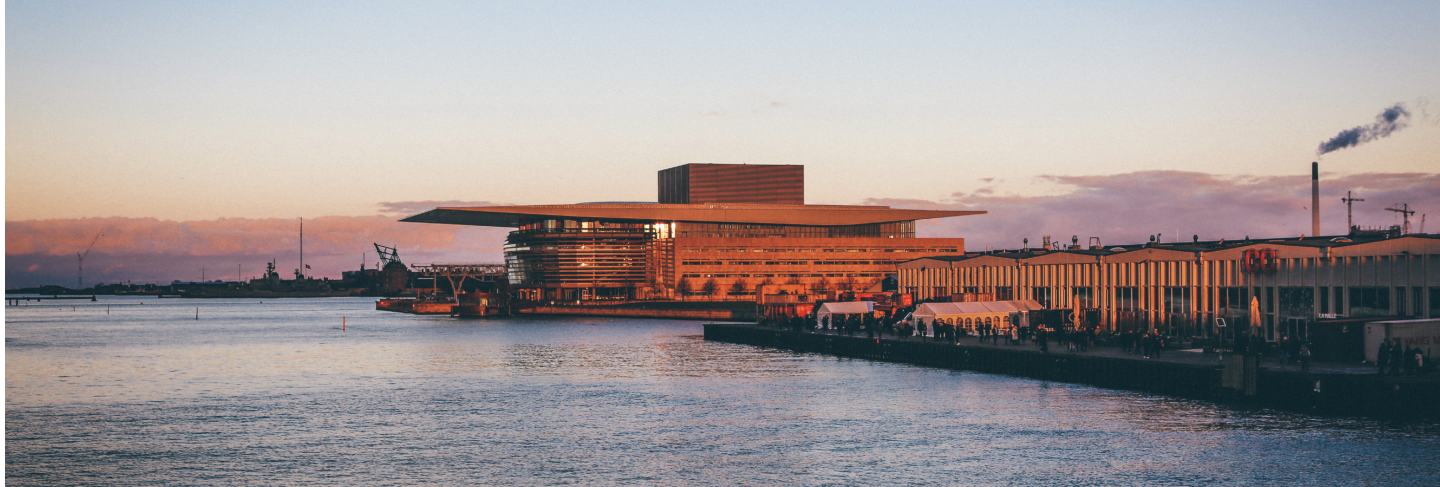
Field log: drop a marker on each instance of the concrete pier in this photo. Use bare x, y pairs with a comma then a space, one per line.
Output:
1326, 389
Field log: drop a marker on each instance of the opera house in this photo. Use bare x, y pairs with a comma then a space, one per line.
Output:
718, 232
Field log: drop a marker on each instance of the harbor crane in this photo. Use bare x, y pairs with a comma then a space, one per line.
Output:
387, 254
80, 261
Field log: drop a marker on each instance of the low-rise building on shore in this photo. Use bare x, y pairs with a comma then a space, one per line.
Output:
1191, 288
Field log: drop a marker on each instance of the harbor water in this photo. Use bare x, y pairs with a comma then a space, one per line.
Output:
170, 391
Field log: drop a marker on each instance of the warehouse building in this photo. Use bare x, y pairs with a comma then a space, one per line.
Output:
1193, 288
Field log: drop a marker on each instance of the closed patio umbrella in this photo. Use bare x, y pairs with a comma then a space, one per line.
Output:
1254, 313
1079, 313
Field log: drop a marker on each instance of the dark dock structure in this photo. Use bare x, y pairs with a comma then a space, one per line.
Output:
1325, 389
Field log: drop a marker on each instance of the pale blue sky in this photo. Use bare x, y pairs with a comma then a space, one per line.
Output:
208, 109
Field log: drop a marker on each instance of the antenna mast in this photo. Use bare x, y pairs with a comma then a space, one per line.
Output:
1405, 212
1349, 214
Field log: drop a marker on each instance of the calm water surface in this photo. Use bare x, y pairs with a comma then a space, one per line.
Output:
120, 392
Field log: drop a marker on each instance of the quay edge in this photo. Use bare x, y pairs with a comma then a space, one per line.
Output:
1329, 394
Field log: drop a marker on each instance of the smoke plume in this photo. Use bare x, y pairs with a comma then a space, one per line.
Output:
1387, 122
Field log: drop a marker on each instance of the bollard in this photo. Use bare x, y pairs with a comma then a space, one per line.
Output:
197, 314
342, 323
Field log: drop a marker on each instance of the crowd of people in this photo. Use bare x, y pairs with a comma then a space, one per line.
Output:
898, 324
1394, 357
1147, 344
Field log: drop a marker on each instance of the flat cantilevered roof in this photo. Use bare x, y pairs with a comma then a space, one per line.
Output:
772, 214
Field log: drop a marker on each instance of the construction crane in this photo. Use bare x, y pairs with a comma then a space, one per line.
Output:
80, 261
1405, 212
1350, 201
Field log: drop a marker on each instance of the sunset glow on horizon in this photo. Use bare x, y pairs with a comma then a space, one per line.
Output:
190, 112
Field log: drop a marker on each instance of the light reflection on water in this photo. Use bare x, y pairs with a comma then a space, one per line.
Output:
274, 393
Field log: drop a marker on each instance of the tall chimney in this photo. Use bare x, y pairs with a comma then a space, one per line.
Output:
1314, 199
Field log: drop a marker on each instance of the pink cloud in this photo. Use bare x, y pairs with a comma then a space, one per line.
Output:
1126, 208
153, 250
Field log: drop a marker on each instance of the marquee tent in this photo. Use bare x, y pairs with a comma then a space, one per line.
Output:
843, 308
968, 314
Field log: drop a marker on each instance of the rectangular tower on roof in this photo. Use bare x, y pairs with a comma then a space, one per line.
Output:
781, 184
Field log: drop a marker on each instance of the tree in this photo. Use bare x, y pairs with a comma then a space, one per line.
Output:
848, 284
821, 284
793, 280
684, 287
740, 286
710, 287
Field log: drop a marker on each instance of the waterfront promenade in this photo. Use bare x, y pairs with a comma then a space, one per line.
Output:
1327, 387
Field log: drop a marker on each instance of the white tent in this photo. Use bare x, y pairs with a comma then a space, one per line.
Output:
968, 314
843, 308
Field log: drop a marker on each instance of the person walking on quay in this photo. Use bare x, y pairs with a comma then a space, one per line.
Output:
1150, 345
1304, 355
1397, 357
921, 328
1382, 357
1042, 338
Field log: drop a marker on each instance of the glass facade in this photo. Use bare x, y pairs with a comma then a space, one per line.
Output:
905, 229
579, 260
575, 259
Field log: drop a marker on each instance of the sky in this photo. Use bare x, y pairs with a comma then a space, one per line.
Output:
184, 120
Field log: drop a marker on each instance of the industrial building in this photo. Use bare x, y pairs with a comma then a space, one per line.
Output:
1183, 288
717, 232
